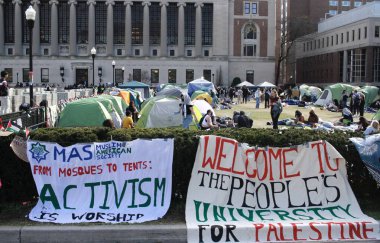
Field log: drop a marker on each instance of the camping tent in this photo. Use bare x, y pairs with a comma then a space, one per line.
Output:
377, 116
160, 111
138, 86
266, 85
246, 83
334, 92
202, 106
371, 94
311, 91
172, 91
200, 84
201, 95
83, 113
164, 86
118, 103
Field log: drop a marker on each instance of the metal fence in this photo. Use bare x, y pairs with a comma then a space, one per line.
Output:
33, 118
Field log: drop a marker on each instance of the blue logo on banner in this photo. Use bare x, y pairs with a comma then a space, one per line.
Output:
39, 152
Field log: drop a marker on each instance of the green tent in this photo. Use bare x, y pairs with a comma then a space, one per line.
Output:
83, 113
311, 91
117, 102
371, 94
333, 92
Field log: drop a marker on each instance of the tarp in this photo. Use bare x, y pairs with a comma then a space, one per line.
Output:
159, 112
201, 95
245, 83
200, 84
135, 85
333, 92
84, 113
371, 94
111, 182
266, 85
239, 193
369, 151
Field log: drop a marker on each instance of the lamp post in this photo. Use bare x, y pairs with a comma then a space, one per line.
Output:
93, 54
113, 73
30, 14
123, 69
62, 73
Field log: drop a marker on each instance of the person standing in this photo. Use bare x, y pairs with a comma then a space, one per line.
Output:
132, 108
245, 94
186, 109
239, 96
3, 84
275, 108
266, 97
361, 103
258, 97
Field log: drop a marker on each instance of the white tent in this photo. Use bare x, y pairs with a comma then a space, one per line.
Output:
203, 106
200, 84
266, 85
246, 83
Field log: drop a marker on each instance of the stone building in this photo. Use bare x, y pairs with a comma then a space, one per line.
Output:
345, 49
150, 41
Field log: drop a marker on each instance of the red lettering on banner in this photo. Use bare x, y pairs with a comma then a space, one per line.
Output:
222, 155
313, 228
295, 231
329, 229
209, 160
257, 228
274, 156
341, 224
288, 163
325, 153
365, 230
282, 236
272, 229
254, 171
352, 229
265, 164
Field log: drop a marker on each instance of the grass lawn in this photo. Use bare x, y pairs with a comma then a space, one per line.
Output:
261, 116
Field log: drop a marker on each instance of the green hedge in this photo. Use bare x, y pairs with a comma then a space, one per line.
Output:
18, 183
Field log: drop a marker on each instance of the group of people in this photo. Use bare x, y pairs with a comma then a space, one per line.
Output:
354, 101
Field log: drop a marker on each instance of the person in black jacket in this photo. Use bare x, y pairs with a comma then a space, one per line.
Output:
244, 121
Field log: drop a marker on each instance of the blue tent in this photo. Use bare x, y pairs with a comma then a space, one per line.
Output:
135, 85
200, 84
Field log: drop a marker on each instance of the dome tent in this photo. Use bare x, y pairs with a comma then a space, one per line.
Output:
200, 84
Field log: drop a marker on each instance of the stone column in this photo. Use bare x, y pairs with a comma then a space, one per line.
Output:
36, 29
110, 4
91, 25
198, 29
73, 27
128, 28
146, 29
1, 27
18, 27
164, 34
181, 29
54, 28
344, 66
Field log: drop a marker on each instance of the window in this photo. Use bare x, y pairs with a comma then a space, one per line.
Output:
154, 23
25, 75
249, 50
336, 39
345, 3
332, 40
172, 76
154, 76
359, 33
323, 42
357, 3
327, 41
189, 75
82, 23
347, 36
254, 8
304, 47
190, 24
365, 32
207, 24
341, 38
137, 52
63, 22
119, 52
137, 23
319, 43
250, 40
247, 7
137, 74
44, 75
353, 35
46, 51
333, 12
10, 51
207, 75
250, 8
250, 76
189, 53
119, 23
119, 75
45, 34
9, 12
172, 53
10, 74
101, 23
206, 53
154, 52
333, 3
377, 31
172, 24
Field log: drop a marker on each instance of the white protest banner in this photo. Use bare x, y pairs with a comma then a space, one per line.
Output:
18, 146
111, 182
239, 193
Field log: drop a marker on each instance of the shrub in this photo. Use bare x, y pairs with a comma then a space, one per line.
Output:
18, 183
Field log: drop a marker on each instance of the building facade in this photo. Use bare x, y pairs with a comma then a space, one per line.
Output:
303, 17
345, 49
150, 41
